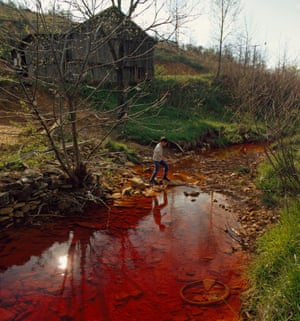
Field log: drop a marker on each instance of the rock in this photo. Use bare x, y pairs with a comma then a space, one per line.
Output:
13, 186
32, 173
137, 182
52, 171
19, 205
127, 191
24, 194
6, 210
193, 194
18, 214
26, 180
4, 219
4, 199
116, 196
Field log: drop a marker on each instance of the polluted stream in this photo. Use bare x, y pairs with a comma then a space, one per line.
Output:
164, 257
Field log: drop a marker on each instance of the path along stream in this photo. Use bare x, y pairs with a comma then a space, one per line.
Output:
131, 263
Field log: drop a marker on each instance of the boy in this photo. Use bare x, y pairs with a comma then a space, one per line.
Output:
159, 160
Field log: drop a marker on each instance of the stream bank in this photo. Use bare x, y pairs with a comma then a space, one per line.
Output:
43, 195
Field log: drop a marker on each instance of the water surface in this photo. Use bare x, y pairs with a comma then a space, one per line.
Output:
125, 264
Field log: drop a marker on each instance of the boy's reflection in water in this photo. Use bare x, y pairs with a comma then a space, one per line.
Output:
156, 210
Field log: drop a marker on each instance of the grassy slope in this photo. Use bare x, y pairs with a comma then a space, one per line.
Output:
191, 114
18, 23
274, 273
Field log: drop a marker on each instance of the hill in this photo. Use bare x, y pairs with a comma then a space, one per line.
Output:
172, 60
17, 22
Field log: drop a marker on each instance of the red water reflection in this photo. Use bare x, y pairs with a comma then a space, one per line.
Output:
234, 150
126, 264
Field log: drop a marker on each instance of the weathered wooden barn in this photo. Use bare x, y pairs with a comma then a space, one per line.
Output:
108, 48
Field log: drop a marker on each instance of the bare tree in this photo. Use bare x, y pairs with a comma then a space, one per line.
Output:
181, 13
225, 13
61, 54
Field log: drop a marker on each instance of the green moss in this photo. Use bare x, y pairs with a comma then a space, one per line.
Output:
118, 147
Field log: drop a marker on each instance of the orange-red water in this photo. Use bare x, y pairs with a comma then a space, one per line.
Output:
126, 264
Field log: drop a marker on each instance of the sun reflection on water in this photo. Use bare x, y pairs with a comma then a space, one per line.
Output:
63, 262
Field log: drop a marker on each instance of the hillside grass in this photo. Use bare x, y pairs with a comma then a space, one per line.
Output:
17, 22
167, 54
192, 112
274, 273
189, 110
178, 127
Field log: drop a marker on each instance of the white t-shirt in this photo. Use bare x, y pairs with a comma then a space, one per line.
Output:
158, 153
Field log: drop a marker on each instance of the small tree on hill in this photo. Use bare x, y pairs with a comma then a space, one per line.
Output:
225, 13
181, 13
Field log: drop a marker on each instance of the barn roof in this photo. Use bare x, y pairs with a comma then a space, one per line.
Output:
112, 21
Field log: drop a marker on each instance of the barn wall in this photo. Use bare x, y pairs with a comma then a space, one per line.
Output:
88, 54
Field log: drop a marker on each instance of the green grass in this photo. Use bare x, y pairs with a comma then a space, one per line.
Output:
275, 272
103, 99
174, 56
205, 77
177, 126
7, 81
279, 179
269, 183
192, 111
122, 149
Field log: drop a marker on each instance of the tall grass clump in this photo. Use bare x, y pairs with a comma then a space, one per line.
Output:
274, 273
269, 183
278, 176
